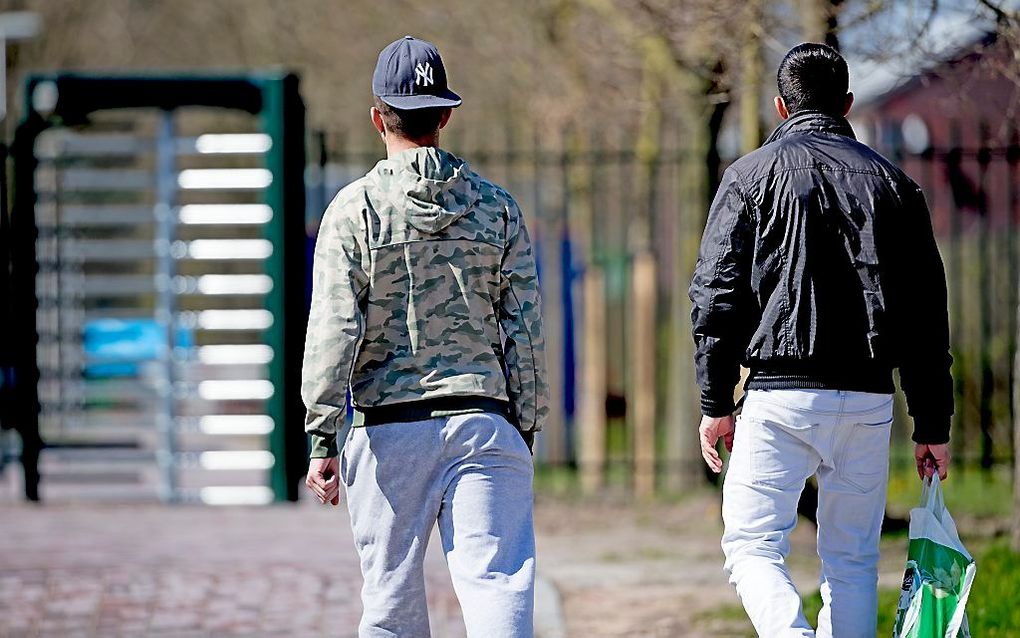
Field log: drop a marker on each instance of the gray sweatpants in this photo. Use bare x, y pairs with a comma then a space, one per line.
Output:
473, 474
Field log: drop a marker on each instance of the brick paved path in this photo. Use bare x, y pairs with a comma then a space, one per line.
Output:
108, 571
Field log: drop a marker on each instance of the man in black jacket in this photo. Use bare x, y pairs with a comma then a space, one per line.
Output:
819, 272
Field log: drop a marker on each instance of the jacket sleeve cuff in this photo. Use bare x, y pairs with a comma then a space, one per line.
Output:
323, 447
931, 430
713, 406
529, 439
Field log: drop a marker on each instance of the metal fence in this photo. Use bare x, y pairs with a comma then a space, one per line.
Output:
586, 207
973, 193
590, 206
616, 229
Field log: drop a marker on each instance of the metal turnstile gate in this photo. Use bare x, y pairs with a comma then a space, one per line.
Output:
170, 285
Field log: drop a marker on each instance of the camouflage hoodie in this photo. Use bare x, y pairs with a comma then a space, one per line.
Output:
419, 267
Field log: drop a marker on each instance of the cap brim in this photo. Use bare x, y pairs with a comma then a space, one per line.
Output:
412, 102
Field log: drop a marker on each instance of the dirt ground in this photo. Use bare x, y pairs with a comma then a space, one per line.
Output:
655, 570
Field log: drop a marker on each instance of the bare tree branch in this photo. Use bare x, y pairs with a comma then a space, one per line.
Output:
1001, 14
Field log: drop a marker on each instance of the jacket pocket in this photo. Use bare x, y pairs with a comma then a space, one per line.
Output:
345, 456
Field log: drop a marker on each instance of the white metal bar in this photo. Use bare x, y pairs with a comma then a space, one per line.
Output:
225, 143
117, 285
235, 319
95, 179
107, 249
235, 424
236, 460
193, 372
228, 354
224, 178
229, 249
234, 284
225, 214
236, 495
235, 389
66, 144
105, 215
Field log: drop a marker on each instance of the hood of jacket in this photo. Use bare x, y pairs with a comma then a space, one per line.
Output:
438, 187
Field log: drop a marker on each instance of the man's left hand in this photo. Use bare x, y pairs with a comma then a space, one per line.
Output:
712, 429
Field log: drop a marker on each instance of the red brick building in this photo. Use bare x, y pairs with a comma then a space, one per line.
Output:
953, 128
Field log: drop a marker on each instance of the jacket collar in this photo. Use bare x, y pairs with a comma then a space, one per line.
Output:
812, 122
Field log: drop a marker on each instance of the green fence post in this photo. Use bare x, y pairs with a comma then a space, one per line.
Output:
283, 119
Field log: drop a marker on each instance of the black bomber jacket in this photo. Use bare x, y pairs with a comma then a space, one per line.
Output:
819, 269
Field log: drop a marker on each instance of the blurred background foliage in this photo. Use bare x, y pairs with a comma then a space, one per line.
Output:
601, 63
612, 120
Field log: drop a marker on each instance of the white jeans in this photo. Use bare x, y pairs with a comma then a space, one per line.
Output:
782, 438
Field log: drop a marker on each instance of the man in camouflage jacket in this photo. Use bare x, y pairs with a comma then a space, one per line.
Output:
425, 306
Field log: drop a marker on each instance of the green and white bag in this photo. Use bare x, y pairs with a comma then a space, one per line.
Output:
939, 573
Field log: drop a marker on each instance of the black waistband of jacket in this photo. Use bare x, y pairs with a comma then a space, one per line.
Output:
849, 376
429, 409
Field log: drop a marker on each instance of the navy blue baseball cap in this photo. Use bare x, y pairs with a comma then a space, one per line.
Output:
410, 75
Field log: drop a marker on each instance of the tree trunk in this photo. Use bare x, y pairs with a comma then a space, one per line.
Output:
549, 233
699, 178
752, 71
592, 414
592, 370
643, 391
820, 21
644, 282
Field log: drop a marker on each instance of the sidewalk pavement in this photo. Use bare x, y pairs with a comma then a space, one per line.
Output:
148, 570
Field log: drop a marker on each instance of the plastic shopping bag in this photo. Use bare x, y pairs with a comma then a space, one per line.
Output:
939, 573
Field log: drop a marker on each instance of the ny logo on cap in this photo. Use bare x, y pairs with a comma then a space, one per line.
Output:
423, 74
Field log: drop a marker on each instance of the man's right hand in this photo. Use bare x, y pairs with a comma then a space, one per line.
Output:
322, 479
931, 457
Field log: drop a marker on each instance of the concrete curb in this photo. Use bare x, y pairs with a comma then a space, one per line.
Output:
549, 619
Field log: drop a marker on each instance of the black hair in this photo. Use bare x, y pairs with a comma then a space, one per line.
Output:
814, 77
412, 124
